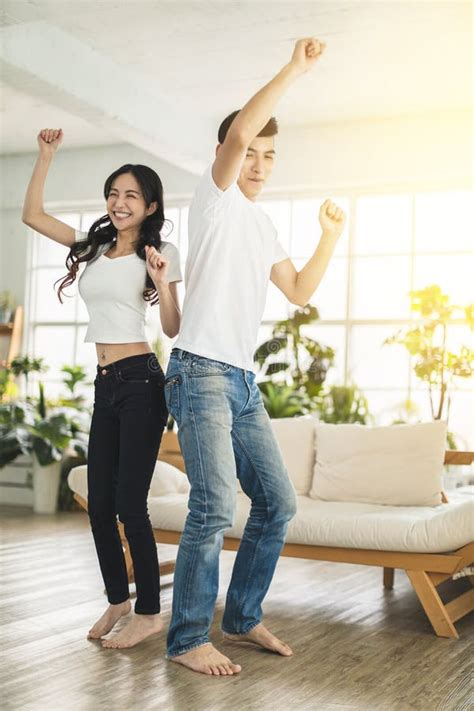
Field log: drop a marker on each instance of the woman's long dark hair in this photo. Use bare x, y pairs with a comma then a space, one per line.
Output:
103, 230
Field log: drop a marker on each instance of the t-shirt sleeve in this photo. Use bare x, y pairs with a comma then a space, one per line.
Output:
279, 253
174, 268
207, 193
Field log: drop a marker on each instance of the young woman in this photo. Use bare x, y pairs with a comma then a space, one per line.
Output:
127, 265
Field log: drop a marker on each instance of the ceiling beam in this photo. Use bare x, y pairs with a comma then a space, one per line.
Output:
44, 61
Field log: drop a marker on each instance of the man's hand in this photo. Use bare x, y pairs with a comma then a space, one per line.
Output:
332, 219
49, 140
306, 53
157, 266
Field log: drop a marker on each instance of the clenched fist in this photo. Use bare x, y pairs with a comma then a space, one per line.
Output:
332, 219
156, 265
49, 140
306, 53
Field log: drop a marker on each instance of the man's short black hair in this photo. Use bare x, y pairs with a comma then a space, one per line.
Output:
270, 129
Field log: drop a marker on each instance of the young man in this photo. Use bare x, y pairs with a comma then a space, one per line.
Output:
224, 430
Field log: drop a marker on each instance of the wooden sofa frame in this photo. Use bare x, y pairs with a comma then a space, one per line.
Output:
426, 571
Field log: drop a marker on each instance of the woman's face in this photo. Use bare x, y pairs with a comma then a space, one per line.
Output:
126, 205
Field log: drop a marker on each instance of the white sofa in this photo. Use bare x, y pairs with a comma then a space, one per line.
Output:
431, 543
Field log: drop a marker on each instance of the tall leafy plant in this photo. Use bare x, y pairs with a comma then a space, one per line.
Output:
343, 403
302, 362
433, 362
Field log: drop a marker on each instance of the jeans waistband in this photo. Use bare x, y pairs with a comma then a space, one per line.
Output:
117, 365
186, 357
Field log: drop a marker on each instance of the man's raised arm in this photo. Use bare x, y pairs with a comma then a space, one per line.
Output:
257, 112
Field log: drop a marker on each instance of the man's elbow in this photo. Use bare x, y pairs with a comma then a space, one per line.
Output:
297, 298
171, 333
239, 136
300, 302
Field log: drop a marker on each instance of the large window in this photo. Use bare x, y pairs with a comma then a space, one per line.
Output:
392, 243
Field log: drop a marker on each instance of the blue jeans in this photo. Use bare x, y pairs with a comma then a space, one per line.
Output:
224, 433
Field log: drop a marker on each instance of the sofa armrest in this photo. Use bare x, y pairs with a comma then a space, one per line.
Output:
454, 456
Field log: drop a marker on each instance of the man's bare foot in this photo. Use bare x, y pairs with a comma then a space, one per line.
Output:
109, 619
264, 638
206, 659
139, 628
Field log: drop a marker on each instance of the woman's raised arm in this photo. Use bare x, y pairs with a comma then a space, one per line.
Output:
49, 139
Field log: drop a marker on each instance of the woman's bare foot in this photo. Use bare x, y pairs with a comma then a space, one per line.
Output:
109, 619
139, 628
206, 659
264, 638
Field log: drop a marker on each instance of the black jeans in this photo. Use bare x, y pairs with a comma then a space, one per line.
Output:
128, 420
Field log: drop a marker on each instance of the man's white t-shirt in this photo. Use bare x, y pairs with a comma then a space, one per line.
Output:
232, 248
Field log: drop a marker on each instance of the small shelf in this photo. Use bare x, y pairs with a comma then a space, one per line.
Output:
11, 333
6, 327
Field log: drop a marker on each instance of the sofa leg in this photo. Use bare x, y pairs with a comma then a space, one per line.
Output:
432, 604
128, 561
388, 577
127, 554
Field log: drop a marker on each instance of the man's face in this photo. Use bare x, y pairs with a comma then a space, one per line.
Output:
257, 166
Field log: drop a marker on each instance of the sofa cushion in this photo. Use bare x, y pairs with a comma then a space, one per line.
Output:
398, 465
416, 529
295, 437
166, 479
412, 529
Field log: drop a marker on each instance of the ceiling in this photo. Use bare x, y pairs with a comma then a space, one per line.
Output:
383, 59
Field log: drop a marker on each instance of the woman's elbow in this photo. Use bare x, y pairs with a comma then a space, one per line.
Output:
30, 219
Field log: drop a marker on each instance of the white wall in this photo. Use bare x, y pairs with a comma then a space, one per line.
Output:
426, 149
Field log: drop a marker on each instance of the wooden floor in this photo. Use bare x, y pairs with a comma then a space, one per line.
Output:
357, 646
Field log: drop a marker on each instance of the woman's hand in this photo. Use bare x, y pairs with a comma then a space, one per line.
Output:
49, 140
332, 219
156, 265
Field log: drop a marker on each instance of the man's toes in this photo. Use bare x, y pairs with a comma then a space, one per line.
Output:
223, 670
215, 670
236, 668
286, 650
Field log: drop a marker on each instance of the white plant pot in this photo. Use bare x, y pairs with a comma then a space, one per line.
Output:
45, 487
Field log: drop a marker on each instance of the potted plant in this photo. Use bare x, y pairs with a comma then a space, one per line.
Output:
6, 306
8, 388
24, 365
433, 362
26, 427
282, 400
343, 403
73, 375
293, 365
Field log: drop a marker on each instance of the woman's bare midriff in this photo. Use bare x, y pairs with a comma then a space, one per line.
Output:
110, 352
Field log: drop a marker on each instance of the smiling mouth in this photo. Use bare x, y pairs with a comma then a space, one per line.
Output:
121, 215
